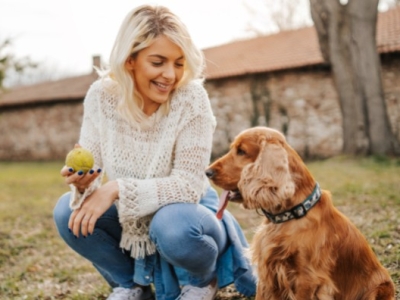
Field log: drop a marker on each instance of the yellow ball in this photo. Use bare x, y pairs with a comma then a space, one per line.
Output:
80, 159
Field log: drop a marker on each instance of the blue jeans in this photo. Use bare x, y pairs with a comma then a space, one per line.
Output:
188, 236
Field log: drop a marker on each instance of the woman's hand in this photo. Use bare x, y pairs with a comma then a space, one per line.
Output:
79, 179
84, 219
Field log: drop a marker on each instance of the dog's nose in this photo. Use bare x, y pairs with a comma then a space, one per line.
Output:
210, 173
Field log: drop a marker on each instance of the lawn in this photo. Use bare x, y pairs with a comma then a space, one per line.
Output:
36, 264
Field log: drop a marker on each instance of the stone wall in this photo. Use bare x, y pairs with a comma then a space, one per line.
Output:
39, 132
302, 103
391, 84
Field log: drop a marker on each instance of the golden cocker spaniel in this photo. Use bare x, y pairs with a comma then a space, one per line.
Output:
305, 249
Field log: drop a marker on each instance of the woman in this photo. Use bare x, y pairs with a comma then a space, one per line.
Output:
149, 125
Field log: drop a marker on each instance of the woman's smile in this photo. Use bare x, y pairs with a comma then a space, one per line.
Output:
162, 87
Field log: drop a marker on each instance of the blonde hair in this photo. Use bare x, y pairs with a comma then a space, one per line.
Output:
138, 30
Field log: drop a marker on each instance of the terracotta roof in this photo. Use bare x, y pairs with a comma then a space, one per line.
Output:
73, 88
284, 50
288, 49
388, 31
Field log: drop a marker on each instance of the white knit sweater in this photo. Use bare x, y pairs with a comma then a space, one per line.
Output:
153, 167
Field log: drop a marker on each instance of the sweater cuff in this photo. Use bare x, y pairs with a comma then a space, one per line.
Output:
77, 198
136, 200
148, 200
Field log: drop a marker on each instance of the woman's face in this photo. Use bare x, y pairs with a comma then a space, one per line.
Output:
157, 70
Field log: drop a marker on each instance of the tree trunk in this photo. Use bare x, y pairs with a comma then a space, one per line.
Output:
347, 40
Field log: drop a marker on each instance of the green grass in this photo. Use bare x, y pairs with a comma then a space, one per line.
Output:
36, 264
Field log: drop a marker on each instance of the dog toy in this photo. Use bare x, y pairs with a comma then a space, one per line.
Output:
80, 159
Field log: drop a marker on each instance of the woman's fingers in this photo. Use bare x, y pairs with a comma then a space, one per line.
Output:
75, 178
88, 227
82, 180
75, 222
85, 224
85, 180
66, 171
81, 222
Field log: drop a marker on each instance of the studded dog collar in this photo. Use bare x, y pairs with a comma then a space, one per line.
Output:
297, 211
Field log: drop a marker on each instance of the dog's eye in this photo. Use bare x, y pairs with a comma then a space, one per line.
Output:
240, 152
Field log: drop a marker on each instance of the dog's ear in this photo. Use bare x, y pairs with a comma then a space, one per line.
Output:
267, 181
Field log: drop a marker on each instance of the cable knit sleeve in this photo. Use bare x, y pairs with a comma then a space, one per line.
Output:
186, 181
89, 139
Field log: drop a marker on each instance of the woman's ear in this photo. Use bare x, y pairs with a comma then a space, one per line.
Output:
130, 63
268, 180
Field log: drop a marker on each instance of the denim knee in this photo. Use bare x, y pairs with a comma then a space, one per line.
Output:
168, 226
61, 214
190, 236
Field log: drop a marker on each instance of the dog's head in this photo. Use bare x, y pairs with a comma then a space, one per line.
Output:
260, 170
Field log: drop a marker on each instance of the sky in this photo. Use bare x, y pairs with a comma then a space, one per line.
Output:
63, 35
66, 34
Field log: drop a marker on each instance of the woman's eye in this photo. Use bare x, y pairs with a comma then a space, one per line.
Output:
157, 63
179, 65
241, 152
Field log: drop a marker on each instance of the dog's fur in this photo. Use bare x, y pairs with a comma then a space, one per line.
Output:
319, 256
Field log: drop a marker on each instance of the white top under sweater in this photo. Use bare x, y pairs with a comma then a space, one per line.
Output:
154, 167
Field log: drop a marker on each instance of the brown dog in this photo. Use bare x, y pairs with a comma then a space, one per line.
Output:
305, 249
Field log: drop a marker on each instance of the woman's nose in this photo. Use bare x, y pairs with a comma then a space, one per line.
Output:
169, 72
